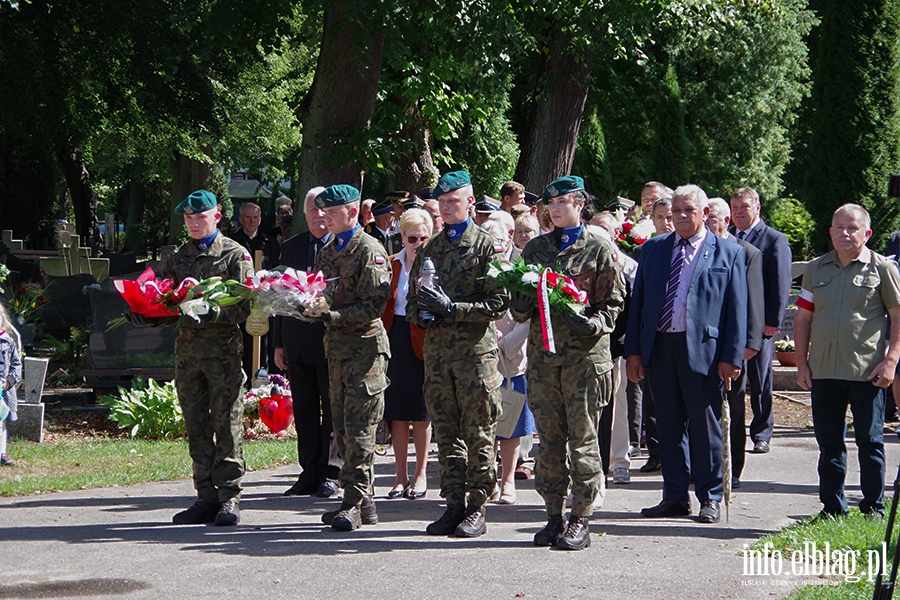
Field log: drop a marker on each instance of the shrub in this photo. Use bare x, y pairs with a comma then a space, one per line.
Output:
149, 409
789, 216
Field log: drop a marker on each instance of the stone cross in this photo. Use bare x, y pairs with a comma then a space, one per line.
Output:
74, 260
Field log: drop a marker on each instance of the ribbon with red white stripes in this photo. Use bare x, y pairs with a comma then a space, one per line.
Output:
543, 298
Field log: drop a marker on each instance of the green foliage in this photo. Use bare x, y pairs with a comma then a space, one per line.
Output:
148, 409
789, 216
855, 114
590, 157
670, 157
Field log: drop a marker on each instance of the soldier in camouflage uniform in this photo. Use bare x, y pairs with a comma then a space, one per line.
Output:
357, 349
208, 375
461, 377
567, 389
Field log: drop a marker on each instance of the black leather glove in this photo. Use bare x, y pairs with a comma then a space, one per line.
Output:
435, 301
580, 324
520, 302
136, 319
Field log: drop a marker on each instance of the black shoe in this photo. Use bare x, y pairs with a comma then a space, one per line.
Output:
735, 483
449, 521
760, 447
830, 514
197, 514
473, 524
302, 488
577, 535
651, 465
229, 514
709, 511
367, 513
668, 508
551, 531
348, 518
328, 489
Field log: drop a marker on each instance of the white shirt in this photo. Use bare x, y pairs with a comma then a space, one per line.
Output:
402, 285
679, 314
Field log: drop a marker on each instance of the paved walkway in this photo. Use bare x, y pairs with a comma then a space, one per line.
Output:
120, 541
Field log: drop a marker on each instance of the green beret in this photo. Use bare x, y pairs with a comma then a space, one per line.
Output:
562, 186
198, 202
336, 195
452, 181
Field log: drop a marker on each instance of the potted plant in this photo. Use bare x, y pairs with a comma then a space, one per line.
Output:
786, 353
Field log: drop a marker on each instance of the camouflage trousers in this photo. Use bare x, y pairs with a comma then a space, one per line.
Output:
210, 391
463, 400
566, 402
356, 386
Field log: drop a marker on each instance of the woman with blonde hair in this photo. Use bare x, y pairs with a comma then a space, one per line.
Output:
10, 375
404, 400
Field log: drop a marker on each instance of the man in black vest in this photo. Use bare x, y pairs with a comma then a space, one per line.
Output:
300, 350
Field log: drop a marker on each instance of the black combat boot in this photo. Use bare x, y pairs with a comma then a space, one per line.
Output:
473, 524
551, 532
449, 521
229, 514
199, 513
577, 535
367, 513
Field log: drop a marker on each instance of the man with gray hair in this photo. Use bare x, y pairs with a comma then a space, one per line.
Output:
844, 356
688, 272
717, 222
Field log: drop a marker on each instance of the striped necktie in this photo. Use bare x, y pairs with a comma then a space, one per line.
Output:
668, 311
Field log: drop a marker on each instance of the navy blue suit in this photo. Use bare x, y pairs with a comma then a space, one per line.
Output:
682, 367
776, 264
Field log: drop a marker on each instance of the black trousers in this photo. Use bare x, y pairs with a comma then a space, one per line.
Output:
738, 429
312, 418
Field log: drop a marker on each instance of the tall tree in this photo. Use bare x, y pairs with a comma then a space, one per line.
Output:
855, 141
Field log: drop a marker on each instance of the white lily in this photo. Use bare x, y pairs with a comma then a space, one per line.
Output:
530, 278
194, 308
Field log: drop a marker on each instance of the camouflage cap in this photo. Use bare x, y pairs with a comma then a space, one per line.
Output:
198, 202
452, 181
336, 195
562, 186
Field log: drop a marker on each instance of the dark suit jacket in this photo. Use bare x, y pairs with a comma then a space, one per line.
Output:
776, 265
756, 313
301, 341
716, 304
893, 245
263, 241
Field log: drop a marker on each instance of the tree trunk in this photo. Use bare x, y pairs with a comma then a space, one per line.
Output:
188, 175
415, 164
136, 196
549, 150
78, 180
338, 109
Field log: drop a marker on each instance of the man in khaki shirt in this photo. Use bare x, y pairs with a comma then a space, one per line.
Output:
840, 323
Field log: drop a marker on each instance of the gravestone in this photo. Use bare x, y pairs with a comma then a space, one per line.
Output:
30, 425
787, 323
125, 347
10, 242
64, 233
73, 260
123, 264
67, 304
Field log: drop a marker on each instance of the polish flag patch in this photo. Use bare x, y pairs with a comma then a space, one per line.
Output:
379, 260
805, 301
498, 248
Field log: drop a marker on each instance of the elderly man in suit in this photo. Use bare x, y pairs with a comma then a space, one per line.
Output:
687, 331
776, 264
717, 222
299, 349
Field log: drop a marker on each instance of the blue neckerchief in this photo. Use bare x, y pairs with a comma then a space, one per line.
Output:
343, 238
456, 230
207, 241
569, 235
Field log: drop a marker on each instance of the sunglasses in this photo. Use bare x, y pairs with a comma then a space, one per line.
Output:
413, 239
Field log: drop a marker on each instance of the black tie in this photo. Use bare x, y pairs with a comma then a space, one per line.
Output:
740, 235
312, 253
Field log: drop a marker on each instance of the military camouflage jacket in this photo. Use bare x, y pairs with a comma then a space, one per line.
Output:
591, 262
460, 267
359, 284
224, 258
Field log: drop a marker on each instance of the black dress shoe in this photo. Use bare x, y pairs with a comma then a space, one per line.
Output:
709, 511
549, 535
651, 465
197, 514
668, 508
577, 535
302, 488
735, 483
229, 514
761, 447
449, 521
473, 524
328, 489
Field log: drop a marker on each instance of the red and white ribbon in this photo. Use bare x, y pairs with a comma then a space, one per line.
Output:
543, 298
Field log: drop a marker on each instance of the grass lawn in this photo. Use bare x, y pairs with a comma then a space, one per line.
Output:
854, 535
74, 463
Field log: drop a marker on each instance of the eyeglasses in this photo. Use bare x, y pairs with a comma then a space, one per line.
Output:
413, 239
